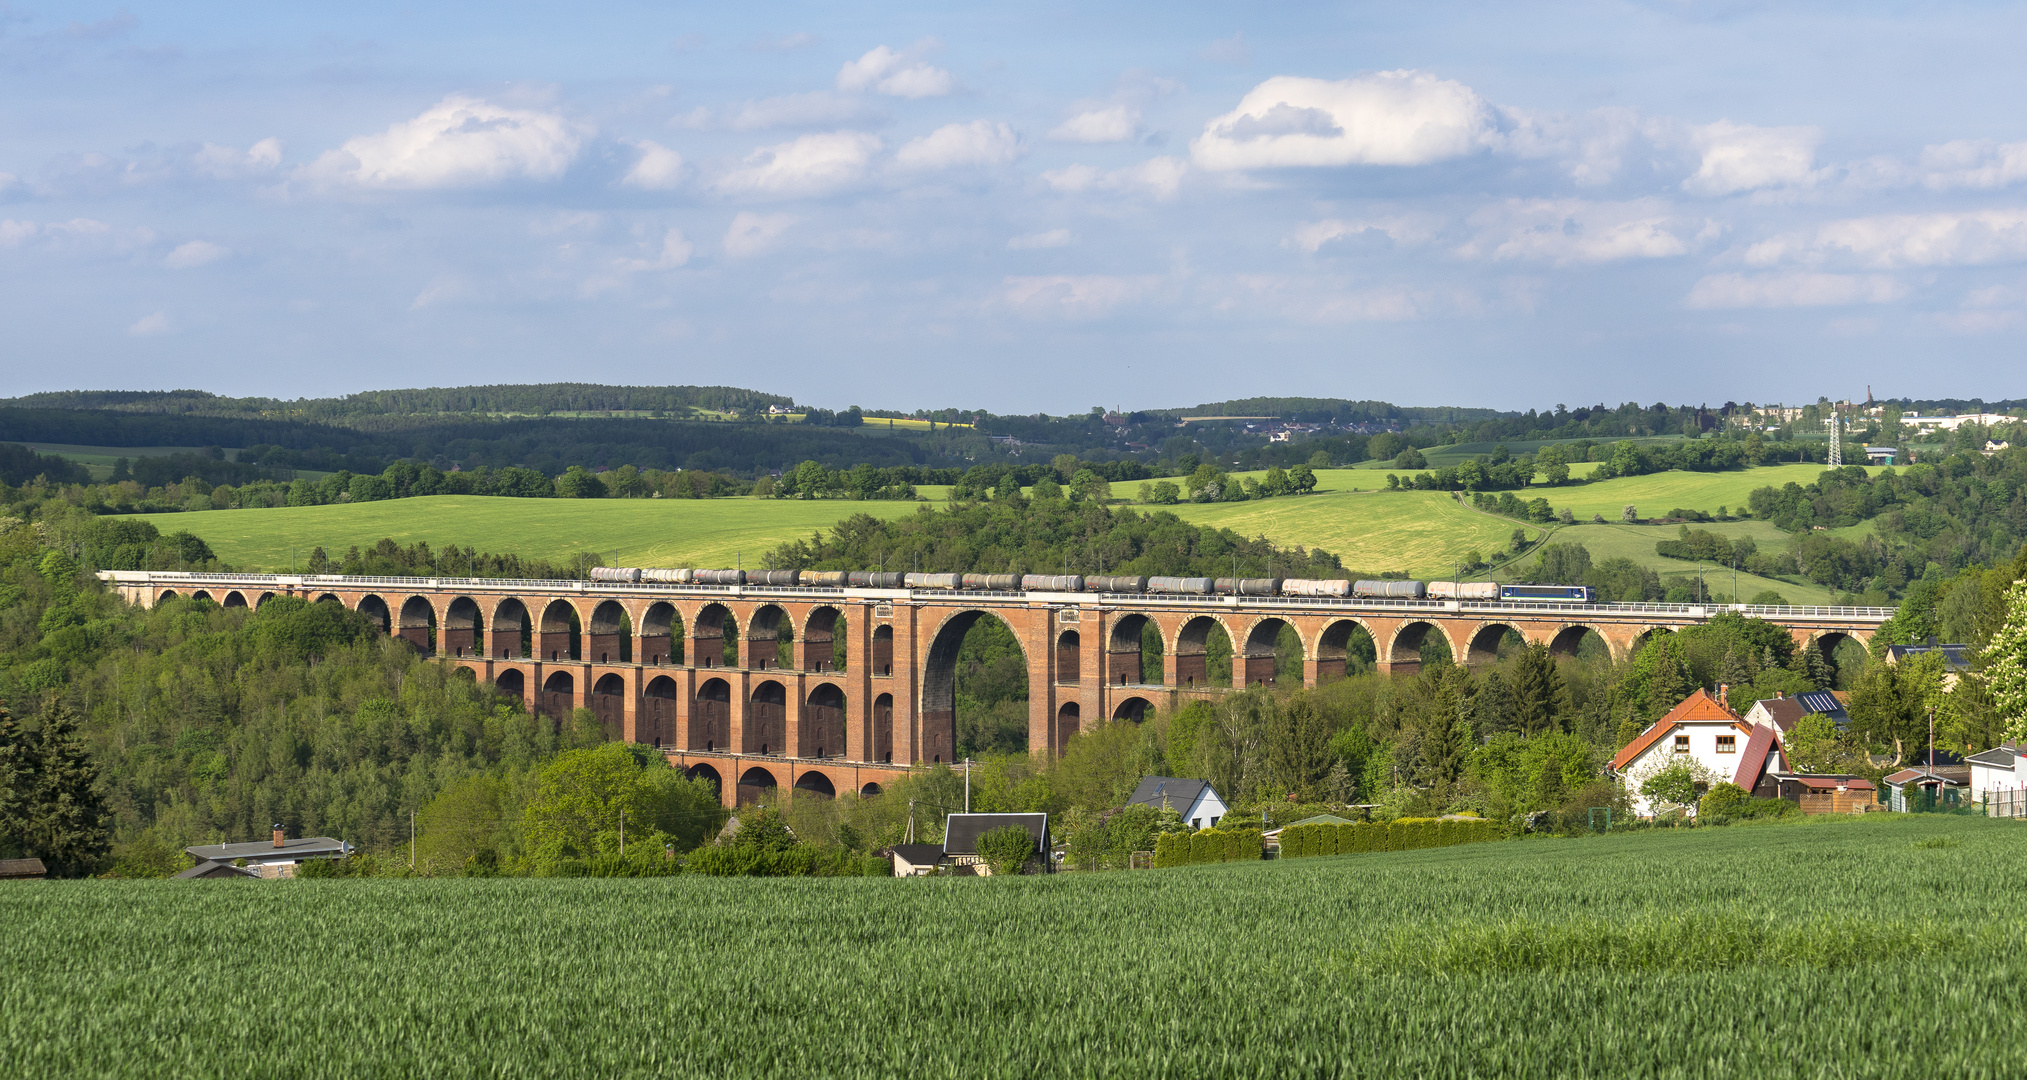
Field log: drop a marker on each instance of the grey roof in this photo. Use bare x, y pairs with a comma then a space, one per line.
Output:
1821, 701
1179, 792
209, 869
303, 847
917, 854
22, 868
1955, 657
961, 831
1998, 757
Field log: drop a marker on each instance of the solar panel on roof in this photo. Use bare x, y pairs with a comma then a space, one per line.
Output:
1821, 701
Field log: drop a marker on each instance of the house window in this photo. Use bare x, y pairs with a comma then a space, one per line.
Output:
1214, 822
1196, 823
1727, 744
1681, 744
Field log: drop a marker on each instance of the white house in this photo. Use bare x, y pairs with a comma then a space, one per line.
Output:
1195, 800
1705, 733
1999, 779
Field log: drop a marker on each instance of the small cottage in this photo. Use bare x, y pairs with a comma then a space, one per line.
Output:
915, 860
961, 833
1196, 800
277, 858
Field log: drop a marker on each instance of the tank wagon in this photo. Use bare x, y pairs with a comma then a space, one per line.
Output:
1316, 588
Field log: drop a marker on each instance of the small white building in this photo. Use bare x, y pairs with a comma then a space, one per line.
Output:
1701, 730
1196, 800
1999, 779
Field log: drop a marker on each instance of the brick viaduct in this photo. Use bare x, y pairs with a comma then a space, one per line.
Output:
825, 690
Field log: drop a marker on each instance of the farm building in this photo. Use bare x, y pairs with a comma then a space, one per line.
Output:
1703, 732
22, 870
961, 833
210, 869
914, 860
273, 859
1196, 800
1821, 793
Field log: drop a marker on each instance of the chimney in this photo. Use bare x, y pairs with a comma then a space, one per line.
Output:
278, 840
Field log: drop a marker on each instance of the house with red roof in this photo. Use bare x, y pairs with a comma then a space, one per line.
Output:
1722, 746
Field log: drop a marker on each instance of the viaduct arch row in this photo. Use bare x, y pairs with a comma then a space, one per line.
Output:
825, 690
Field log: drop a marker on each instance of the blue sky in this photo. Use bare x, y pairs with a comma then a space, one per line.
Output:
1020, 207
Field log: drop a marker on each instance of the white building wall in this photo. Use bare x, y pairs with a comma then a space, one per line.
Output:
1703, 749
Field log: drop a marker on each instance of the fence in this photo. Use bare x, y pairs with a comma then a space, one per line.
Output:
2007, 804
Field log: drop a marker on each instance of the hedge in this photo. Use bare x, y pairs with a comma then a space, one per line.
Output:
1406, 834
1206, 846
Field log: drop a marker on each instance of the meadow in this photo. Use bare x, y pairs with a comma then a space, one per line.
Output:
1423, 533
1886, 946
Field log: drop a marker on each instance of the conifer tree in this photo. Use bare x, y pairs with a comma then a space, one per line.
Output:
1541, 702
57, 813
1735, 672
1671, 681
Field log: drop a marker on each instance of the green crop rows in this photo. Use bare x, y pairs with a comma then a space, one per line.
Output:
1867, 948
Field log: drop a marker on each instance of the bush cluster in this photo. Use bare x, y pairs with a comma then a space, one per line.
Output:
1406, 834
1206, 846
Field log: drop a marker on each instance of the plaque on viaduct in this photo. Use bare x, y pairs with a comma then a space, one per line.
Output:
828, 689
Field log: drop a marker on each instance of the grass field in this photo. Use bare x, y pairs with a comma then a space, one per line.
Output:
1421, 532
1889, 946
634, 532
1636, 542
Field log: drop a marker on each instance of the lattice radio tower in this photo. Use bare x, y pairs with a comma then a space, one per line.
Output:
1836, 438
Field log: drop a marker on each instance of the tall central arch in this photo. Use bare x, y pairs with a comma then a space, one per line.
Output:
939, 686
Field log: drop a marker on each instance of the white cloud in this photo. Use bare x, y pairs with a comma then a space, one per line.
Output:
818, 108
458, 142
1054, 238
675, 251
232, 163
1567, 231
1793, 290
1110, 124
1893, 241
1741, 157
659, 168
752, 234
1160, 177
810, 165
1071, 296
150, 325
1383, 118
895, 74
445, 289
1323, 301
193, 254
1403, 230
980, 142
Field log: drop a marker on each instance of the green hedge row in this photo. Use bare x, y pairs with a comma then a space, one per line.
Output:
1407, 834
1206, 846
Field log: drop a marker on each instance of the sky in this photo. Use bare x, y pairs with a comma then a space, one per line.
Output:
1020, 207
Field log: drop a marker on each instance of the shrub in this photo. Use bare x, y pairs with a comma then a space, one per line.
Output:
1006, 849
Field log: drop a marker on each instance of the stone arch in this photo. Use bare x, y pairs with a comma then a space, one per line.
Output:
657, 721
510, 638
770, 638
321, 598
870, 789
882, 659
461, 628
812, 782
611, 635
766, 720
418, 624
559, 637
1124, 665
1640, 640
711, 716
262, 599
706, 773
1404, 652
558, 697
756, 784
1482, 647
512, 682
820, 631
1134, 708
1256, 664
1569, 639
1192, 649
375, 609
883, 728
661, 634
234, 599
939, 685
170, 594
203, 597
1341, 642
1069, 657
1067, 718
823, 723
713, 631
608, 703
1828, 642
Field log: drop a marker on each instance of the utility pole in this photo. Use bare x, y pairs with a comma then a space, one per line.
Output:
411, 839
967, 780
622, 834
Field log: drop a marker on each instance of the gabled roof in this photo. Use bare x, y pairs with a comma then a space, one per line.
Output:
22, 868
209, 869
1998, 757
1697, 708
917, 854
1921, 775
961, 831
1179, 792
1753, 762
1827, 781
1821, 701
302, 847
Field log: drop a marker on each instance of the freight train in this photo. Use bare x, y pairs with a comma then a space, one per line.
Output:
1155, 586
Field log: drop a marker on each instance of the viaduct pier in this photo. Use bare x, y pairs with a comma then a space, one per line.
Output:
827, 689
